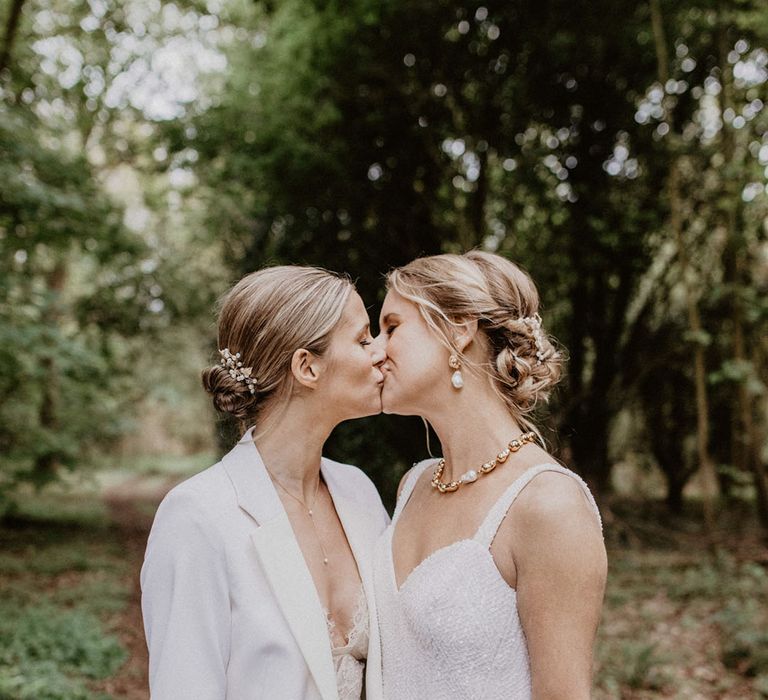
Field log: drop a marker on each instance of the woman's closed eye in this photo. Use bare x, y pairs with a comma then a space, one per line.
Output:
390, 330
365, 342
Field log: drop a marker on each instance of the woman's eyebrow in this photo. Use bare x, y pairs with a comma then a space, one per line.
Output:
389, 317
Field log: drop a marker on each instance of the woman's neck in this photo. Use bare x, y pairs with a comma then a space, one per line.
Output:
291, 445
472, 429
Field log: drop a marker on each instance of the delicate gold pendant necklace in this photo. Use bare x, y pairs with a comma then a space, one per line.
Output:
472, 475
309, 509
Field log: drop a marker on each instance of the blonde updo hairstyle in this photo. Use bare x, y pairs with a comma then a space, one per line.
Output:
266, 317
450, 289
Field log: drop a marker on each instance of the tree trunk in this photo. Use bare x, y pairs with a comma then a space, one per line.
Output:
732, 256
758, 438
589, 444
694, 320
47, 462
588, 413
675, 495
11, 29
744, 436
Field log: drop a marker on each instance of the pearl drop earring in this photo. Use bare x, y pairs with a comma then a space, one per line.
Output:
456, 379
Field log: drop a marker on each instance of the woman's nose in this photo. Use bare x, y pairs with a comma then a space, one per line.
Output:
378, 349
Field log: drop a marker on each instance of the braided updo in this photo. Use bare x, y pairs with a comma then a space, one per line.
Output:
450, 289
263, 320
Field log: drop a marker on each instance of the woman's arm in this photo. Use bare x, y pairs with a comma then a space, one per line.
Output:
185, 602
561, 570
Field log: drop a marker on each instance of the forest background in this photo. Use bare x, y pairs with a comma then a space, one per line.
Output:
152, 153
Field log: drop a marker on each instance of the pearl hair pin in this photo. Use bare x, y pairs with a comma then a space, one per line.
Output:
534, 324
236, 369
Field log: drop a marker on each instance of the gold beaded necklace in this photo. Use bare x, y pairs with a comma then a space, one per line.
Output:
473, 475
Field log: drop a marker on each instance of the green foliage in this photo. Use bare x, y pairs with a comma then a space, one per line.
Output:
744, 623
162, 466
42, 681
53, 641
81, 294
362, 135
60, 579
71, 640
59, 376
51, 560
673, 616
637, 666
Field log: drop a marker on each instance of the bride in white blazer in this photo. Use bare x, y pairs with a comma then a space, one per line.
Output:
257, 579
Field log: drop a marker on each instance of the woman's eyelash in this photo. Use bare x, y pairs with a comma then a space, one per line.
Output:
365, 342
390, 330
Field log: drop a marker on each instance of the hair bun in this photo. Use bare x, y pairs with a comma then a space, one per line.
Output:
526, 379
228, 394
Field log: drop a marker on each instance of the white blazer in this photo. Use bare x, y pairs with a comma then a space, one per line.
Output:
230, 607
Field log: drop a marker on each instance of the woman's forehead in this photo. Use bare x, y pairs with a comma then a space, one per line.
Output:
394, 303
355, 313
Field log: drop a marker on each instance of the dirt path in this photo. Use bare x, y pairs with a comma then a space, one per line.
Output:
131, 507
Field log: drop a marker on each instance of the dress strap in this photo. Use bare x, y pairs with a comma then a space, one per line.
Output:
410, 483
490, 526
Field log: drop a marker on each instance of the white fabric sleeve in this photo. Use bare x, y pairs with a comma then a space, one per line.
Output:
185, 603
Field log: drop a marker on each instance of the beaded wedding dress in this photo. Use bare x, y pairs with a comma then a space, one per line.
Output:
452, 630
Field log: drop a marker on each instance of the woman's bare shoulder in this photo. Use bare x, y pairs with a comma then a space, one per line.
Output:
556, 506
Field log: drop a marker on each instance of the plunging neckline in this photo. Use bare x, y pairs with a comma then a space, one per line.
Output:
330, 488
356, 627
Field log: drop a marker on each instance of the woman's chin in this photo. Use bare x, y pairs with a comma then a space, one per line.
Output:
388, 403
374, 406
378, 408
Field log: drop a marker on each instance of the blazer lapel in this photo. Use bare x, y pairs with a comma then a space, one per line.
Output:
362, 533
295, 591
356, 523
282, 562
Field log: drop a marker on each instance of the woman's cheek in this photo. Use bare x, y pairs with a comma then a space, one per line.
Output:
392, 346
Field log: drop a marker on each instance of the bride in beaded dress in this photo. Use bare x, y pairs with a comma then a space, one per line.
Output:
489, 581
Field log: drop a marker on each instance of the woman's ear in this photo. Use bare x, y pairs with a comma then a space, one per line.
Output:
464, 333
304, 368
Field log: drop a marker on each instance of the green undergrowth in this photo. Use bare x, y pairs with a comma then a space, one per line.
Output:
50, 652
679, 621
59, 584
